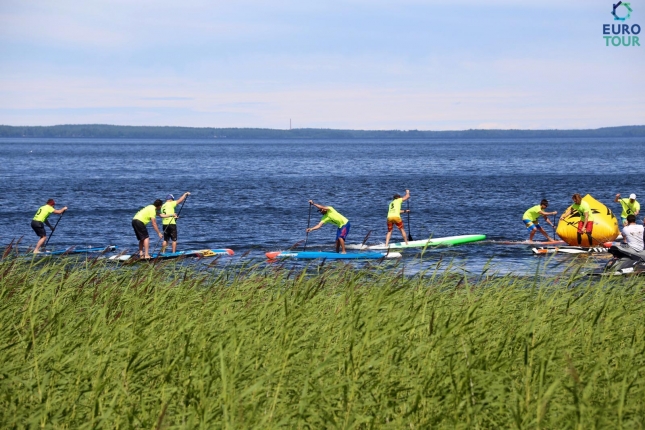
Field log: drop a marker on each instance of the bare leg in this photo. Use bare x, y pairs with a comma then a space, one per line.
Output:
164, 244
39, 244
337, 245
545, 234
141, 249
405, 236
174, 246
342, 245
387, 238
146, 246
531, 235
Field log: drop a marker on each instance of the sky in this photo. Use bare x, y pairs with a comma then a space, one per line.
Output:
352, 64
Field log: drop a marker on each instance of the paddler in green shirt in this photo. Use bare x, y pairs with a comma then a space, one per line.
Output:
394, 217
531, 217
630, 207
330, 215
585, 225
143, 217
169, 221
40, 219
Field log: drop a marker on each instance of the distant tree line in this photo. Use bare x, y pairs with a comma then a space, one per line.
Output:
146, 132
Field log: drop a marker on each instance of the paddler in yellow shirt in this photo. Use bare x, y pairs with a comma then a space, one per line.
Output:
40, 219
585, 225
531, 217
394, 217
143, 217
169, 221
331, 215
630, 207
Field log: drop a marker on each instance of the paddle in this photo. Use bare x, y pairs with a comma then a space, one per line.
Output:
409, 230
308, 223
575, 224
53, 229
553, 226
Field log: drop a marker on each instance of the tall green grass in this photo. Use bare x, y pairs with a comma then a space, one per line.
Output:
86, 346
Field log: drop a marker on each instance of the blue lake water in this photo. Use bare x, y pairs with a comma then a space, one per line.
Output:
252, 196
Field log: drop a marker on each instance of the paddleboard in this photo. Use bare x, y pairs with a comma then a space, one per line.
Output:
446, 241
331, 255
169, 255
569, 250
532, 242
74, 250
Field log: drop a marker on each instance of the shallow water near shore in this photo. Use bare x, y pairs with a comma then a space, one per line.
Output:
251, 195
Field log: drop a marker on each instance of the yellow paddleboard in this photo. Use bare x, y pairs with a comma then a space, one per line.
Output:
605, 225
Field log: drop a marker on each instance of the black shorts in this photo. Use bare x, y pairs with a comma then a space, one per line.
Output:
39, 228
170, 232
140, 229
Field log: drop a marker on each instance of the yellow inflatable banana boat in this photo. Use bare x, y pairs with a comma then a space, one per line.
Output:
605, 225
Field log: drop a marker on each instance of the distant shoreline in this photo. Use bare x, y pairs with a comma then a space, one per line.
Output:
164, 132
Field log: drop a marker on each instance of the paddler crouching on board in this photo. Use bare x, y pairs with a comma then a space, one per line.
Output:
585, 225
169, 221
40, 219
143, 217
330, 215
394, 217
533, 214
630, 207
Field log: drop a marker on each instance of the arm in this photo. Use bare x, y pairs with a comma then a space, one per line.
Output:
316, 227
182, 198
60, 211
546, 216
566, 213
311, 202
406, 196
154, 225
617, 198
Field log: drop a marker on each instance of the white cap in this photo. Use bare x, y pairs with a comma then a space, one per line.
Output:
632, 196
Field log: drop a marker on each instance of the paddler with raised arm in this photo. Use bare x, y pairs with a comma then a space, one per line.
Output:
630, 207
331, 215
40, 219
394, 217
533, 214
585, 225
139, 222
169, 221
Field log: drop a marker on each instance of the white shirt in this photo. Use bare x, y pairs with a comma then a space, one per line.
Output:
633, 235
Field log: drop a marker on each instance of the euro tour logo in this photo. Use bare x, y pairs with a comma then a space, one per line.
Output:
623, 34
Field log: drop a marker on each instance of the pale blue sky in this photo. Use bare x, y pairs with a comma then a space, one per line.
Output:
411, 64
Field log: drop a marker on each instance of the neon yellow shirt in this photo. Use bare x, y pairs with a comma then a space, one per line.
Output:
629, 208
43, 213
334, 217
146, 214
395, 208
532, 213
168, 208
582, 208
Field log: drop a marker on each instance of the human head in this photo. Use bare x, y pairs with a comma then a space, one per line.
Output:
51, 202
170, 197
396, 196
632, 197
577, 198
631, 219
158, 203
544, 203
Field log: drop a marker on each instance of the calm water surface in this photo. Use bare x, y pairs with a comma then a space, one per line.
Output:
252, 195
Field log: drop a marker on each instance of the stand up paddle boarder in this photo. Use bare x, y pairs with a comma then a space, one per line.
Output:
630, 207
169, 221
394, 217
143, 217
585, 225
531, 217
331, 215
40, 219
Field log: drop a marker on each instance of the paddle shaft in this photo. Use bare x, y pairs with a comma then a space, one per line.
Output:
409, 229
308, 223
53, 229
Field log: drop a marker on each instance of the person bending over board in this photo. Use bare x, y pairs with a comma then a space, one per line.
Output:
169, 221
394, 217
40, 219
531, 217
143, 217
633, 233
630, 207
585, 225
330, 215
